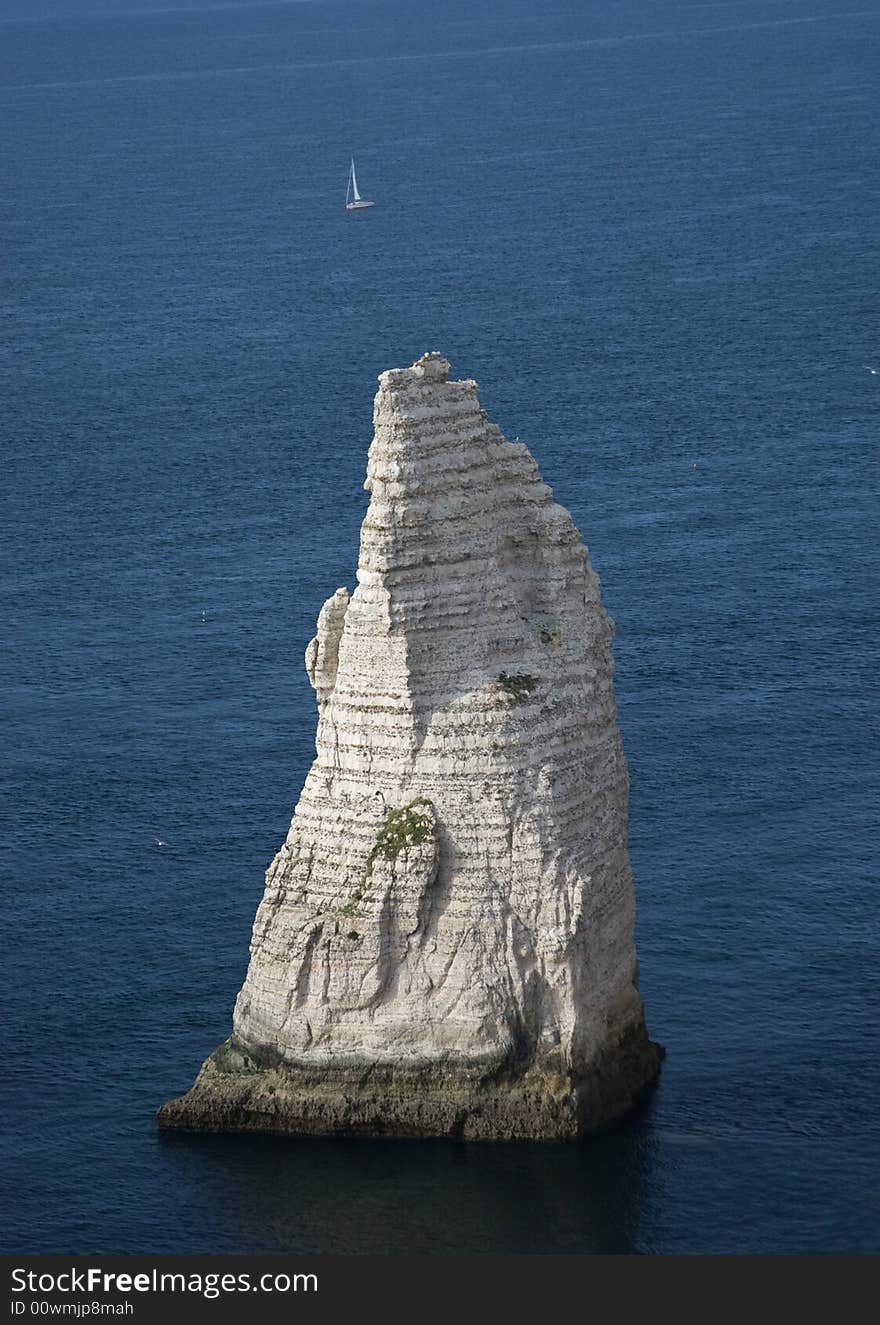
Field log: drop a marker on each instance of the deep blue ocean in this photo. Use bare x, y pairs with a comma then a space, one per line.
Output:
649, 230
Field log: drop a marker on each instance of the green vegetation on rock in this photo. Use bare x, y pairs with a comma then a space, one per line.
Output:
518, 686
409, 826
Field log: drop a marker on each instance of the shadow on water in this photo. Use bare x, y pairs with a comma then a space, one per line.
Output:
372, 1197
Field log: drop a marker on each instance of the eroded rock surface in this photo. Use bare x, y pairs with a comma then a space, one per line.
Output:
445, 944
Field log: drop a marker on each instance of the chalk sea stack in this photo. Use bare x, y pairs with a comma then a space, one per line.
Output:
445, 943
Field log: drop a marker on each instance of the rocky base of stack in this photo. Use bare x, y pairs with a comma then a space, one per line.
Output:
235, 1094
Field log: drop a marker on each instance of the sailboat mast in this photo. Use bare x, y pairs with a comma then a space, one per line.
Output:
354, 183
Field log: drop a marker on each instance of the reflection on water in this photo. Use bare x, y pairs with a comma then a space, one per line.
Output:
304, 1196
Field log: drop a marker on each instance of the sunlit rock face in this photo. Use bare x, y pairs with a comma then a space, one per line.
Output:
445, 944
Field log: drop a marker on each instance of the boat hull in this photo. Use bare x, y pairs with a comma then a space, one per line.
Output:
358, 206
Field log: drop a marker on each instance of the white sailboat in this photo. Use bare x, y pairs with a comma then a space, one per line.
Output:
353, 200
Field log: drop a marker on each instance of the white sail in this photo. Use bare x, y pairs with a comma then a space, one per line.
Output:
353, 200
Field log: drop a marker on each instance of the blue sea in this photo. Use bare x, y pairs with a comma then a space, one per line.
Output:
649, 230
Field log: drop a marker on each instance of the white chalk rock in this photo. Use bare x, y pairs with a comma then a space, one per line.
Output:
445, 944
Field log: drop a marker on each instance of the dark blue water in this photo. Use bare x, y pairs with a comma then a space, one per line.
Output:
649, 230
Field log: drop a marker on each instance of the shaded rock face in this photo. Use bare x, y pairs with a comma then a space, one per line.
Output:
445, 944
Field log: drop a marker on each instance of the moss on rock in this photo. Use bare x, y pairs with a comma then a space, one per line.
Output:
518, 686
409, 826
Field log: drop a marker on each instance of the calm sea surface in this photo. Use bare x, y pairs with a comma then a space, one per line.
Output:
649, 230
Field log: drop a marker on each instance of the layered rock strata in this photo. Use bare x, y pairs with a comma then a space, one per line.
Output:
445, 944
